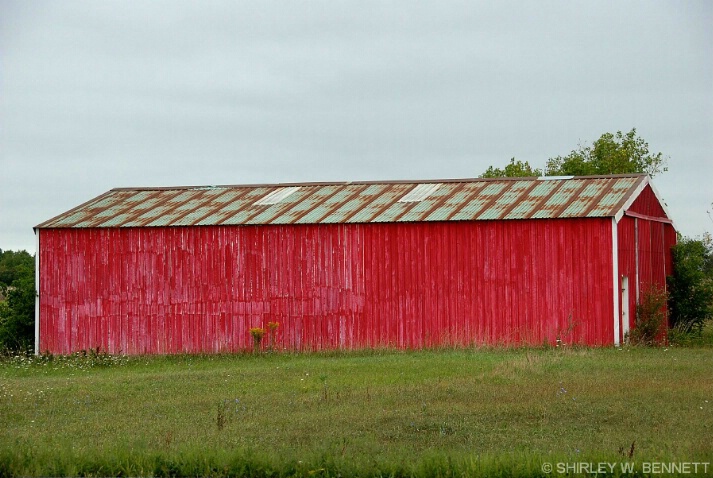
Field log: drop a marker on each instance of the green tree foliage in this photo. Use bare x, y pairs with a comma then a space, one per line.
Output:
618, 153
611, 154
13, 265
690, 286
17, 310
516, 169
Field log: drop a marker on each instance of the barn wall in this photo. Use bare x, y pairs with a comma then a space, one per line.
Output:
406, 285
648, 204
649, 239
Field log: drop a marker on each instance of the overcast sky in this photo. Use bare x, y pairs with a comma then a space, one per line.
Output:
102, 94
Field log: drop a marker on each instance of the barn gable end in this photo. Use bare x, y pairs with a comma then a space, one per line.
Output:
347, 265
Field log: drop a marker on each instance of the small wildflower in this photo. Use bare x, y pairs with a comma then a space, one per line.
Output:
257, 334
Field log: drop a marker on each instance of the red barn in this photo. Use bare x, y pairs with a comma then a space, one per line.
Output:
352, 265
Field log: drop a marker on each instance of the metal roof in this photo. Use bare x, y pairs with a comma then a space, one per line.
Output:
358, 202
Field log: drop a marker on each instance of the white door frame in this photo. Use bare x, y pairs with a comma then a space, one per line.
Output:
625, 318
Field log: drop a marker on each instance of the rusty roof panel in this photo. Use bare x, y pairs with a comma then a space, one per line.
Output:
183, 196
522, 209
300, 208
558, 197
455, 200
332, 197
358, 202
228, 196
140, 197
493, 189
493, 212
420, 209
507, 199
393, 212
245, 209
575, 208
105, 201
117, 221
193, 216
71, 219
471, 210
543, 189
380, 198
272, 213
276, 196
165, 220
352, 200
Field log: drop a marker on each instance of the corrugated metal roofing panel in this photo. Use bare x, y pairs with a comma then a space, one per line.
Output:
393, 212
350, 201
273, 213
71, 219
119, 220
420, 192
422, 208
522, 209
381, 197
276, 196
244, 208
331, 197
456, 198
358, 202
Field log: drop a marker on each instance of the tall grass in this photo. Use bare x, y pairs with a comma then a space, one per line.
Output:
430, 413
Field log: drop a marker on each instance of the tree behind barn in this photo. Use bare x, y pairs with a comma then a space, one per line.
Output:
611, 154
515, 169
691, 285
17, 309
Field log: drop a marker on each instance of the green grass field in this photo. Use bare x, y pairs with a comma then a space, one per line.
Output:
476, 412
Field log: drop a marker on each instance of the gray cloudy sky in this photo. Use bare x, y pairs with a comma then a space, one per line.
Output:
96, 95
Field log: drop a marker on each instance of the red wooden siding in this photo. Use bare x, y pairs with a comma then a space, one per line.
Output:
406, 285
648, 204
646, 242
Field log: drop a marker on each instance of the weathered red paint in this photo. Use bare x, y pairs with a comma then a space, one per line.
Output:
192, 289
406, 285
645, 249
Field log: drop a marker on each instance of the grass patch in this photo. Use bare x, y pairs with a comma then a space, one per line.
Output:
429, 413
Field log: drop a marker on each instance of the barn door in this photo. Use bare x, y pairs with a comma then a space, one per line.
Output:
625, 307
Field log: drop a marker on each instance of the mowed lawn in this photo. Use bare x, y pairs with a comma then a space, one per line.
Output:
429, 413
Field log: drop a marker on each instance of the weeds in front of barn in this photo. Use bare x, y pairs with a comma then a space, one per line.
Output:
82, 360
479, 412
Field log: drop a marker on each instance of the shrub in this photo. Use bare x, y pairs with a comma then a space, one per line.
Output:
650, 317
679, 336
